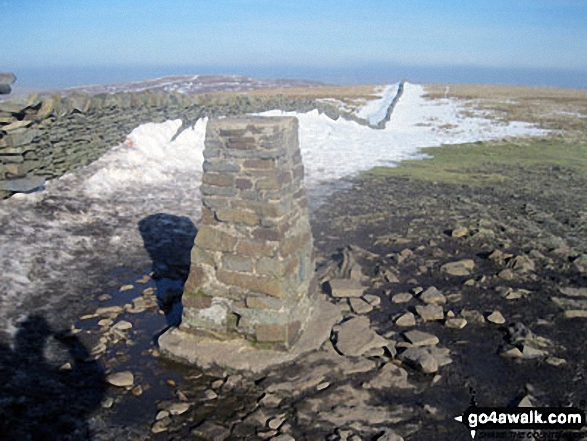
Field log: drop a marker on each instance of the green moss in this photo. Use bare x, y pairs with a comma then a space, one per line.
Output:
486, 163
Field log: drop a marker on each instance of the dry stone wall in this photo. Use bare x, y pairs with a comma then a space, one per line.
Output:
252, 259
47, 136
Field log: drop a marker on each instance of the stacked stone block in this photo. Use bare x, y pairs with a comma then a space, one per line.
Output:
252, 258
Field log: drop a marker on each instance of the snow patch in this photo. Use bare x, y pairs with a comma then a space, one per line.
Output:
375, 111
148, 156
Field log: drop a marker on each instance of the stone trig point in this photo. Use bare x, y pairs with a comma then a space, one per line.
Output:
250, 300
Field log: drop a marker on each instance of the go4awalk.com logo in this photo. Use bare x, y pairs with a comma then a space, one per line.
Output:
560, 419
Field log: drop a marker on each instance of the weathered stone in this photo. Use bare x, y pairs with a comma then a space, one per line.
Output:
390, 435
496, 317
433, 296
372, 299
389, 376
419, 338
218, 179
402, 297
237, 216
214, 239
420, 359
430, 312
354, 337
406, 319
346, 288
211, 431
456, 323
121, 379
276, 333
359, 306
255, 249
234, 262
459, 268
575, 313
459, 232
251, 282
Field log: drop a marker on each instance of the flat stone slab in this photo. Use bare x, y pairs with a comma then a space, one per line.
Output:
354, 337
242, 355
346, 288
419, 338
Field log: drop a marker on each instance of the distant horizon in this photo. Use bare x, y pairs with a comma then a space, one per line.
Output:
62, 77
65, 43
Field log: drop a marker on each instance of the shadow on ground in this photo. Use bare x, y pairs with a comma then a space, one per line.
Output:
40, 399
169, 239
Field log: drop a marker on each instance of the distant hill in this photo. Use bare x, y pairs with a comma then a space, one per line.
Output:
194, 84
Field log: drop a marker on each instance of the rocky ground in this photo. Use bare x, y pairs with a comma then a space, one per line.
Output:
449, 294
451, 291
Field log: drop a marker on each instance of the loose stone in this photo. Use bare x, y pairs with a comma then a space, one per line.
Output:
121, 379
433, 296
389, 376
346, 288
137, 391
420, 359
390, 435
161, 414
456, 323
107, 402
420, 338
360, 306
430, 312
126, 288
372, 299
210, 395
496, 317
459, 268
354, 337
178, 408
276, 422
402, 297
122, 325
406, 319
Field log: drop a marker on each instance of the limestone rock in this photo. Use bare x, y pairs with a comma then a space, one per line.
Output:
433, 296
420, 359
122, 325
510, 351
419, 338
372, 299
430, 312
359, 306
390, 435
211, 431
177, 408
354, 337
389, 376
406, 319
346, 288
402, 297
456, 323
459, 232
522, 263
459, 268
496, 317
121, 379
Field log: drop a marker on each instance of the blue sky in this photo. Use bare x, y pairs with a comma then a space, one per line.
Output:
294, 36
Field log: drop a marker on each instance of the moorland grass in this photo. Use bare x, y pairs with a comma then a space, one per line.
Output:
488, 163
